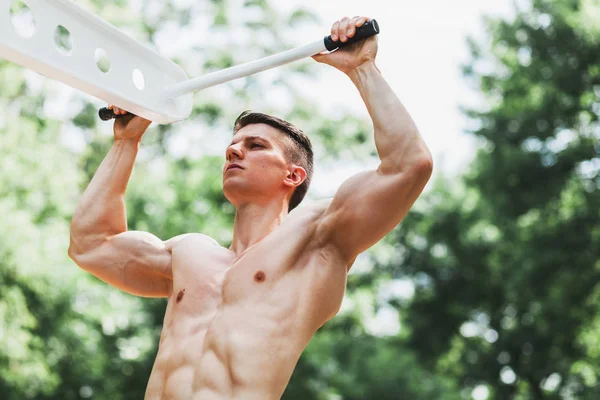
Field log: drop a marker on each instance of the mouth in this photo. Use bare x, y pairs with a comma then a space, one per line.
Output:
233, 166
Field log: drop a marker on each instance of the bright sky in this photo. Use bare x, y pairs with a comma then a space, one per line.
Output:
421, 47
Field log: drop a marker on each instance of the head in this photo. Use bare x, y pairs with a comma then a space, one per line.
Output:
276, 157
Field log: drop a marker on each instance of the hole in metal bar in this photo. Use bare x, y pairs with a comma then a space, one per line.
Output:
138, 79
102, 60
63, 40
22, 19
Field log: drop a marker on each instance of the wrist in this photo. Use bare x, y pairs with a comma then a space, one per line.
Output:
128, 141
363, 70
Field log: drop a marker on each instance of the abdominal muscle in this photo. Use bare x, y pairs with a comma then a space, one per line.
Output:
180, 349
236, 355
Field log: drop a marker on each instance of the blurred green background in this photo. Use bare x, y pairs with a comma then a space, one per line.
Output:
492, 279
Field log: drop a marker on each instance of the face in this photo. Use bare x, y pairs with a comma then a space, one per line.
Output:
262, 171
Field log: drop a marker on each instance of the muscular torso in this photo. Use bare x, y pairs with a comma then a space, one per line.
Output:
234, 328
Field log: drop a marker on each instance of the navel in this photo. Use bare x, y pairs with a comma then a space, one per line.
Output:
180, 295
259, 277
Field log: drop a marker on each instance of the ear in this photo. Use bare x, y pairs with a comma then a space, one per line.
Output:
296, 175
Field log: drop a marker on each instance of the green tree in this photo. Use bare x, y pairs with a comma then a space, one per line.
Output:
506, 263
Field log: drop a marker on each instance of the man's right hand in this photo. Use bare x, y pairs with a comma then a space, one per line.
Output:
128, 126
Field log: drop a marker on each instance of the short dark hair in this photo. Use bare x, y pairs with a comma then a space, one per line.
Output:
299, 152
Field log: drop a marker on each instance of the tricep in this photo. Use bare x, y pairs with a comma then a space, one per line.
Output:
135, 262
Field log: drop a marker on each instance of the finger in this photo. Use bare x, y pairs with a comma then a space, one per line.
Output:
352, 27
334, 31
110, 107
138, 123
324, 57
146, 122
361, 21
343, 29
319, 57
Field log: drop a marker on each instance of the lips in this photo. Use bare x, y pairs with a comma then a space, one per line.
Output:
234, 166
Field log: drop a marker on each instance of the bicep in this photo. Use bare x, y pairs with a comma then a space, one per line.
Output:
368, 206
135, 262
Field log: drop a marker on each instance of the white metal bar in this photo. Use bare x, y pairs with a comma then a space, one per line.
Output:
78, 69
239, 71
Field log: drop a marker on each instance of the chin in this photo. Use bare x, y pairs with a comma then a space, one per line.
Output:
234, 192
240, 192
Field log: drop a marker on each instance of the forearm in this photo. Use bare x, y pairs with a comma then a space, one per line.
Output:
397, 138
101, 210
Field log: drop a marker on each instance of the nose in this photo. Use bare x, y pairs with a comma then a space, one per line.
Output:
234, 152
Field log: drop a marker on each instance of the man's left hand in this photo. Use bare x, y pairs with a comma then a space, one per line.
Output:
353, 56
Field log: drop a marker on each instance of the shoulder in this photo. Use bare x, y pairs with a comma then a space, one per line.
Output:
196, 238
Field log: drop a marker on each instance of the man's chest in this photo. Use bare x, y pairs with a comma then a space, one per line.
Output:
206, 275
199, 266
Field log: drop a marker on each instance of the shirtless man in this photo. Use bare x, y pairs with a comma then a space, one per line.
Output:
238, 318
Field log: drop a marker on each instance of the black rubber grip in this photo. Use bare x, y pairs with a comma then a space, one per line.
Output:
368, 29
106, 115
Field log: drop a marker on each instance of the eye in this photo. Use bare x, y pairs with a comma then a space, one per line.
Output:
255, 145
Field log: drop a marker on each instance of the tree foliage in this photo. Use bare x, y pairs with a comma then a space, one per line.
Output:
506, 263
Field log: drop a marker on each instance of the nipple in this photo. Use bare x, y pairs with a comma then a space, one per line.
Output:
180, 295
259, 276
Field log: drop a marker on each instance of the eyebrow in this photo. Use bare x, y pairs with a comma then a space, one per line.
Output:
248, 138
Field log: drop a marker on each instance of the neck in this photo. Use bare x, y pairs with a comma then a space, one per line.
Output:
255, 221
